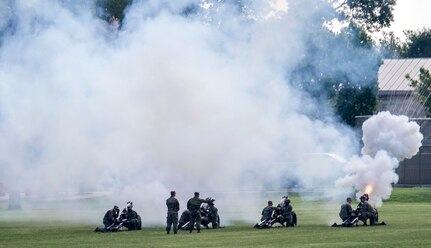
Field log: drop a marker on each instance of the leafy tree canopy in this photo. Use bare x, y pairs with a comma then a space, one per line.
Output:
423, 88
373, 15
112, 9
417, 45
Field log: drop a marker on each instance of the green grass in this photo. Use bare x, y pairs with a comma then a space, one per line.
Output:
407, 213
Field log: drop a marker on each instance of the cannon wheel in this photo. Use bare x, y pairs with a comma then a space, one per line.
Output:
294, 218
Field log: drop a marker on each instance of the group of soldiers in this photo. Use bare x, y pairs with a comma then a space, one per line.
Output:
283, 214
203, 212
199, 212
363, 212
114, 221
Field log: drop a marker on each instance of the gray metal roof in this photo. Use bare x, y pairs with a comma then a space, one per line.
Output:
392, 73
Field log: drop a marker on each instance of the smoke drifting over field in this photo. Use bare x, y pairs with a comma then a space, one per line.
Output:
171, 101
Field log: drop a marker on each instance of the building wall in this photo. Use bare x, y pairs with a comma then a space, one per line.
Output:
417, 170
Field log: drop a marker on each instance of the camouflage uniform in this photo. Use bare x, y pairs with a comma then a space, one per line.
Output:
368, 212
110, 217
193, 206
213, 216
345, 211
133, 221
172, 218
267, 213
185, 217
287, 214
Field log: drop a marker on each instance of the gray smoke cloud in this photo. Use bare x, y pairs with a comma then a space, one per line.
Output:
200, 102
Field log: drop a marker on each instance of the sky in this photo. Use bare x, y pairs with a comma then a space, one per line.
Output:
412, 15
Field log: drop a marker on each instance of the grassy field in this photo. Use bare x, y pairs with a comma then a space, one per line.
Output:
407, 213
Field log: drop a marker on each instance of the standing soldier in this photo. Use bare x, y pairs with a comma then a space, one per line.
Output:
173, 208
193, 206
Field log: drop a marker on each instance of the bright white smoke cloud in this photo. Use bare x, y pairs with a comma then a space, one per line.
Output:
396, 135
168, 102
388, 139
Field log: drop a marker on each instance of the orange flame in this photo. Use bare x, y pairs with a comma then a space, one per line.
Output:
369, 189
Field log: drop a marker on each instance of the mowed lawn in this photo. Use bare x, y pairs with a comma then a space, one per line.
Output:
407, 214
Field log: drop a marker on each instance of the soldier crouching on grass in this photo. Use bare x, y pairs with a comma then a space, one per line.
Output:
367, 212
132, 219
346, 210
268, 211
111, 216
213, 215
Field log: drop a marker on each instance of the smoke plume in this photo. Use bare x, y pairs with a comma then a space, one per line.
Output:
388, 139
197, 100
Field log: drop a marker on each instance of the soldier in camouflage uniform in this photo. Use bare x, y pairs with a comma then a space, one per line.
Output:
173, 208
111, 216
346, 210
268, 211
193, 206
287, 213
213, 215
133, 220
184, 220
367, 212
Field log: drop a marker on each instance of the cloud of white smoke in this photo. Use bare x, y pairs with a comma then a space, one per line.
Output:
388, 139
168, 102
394, 134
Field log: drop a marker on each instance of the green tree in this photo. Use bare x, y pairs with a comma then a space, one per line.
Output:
390, 45
112, 8
354, 101
422, 88
369, 14
341, 69
417, 45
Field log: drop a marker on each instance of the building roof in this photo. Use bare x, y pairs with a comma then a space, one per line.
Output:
392, 73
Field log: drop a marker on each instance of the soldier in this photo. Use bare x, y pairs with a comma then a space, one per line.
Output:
283, 201
173, 208
287, 213
133, 220
193, 206
346, 210
184, 220
111, 216
267, 211
367, 211
213, 215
